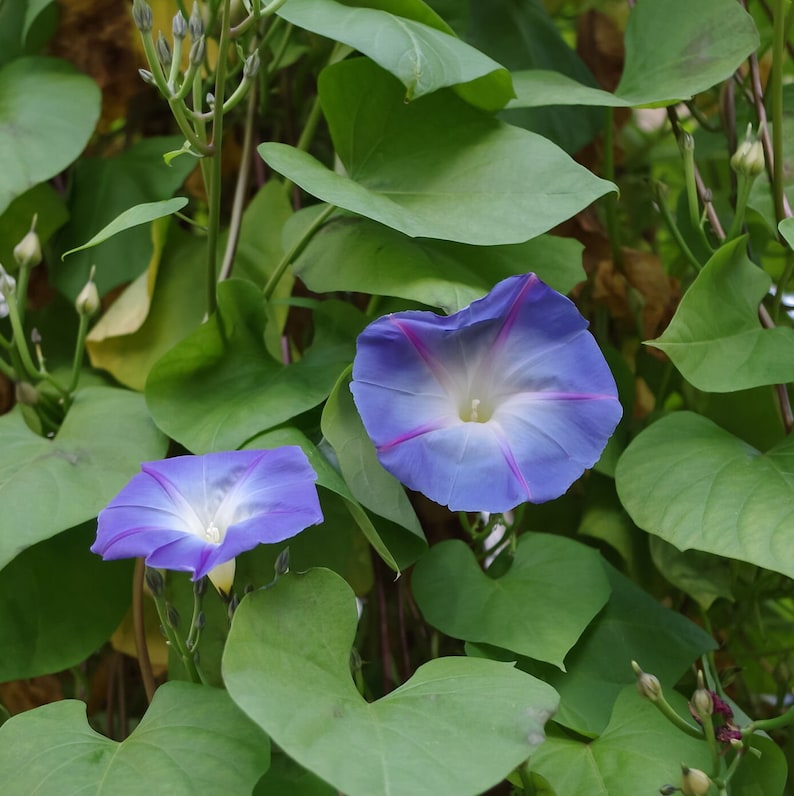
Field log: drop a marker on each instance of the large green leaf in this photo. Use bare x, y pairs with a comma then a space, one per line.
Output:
102, 189
674, 49
193, 741
715, 338
60, 578
49, 485
47, 114
355, 254
697, 486
436, 167
369, 483
424, 58
219, 386
638, 753
287, 665
632, 626
539, 608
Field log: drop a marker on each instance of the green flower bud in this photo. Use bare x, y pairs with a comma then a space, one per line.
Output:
179, 26
87, 301
282, 562
172, 615
28, 250
196, 23
154, 580
648, 685
142, 15
147, 77
749, 156
668, 790
163, 50
197, 50
251, 66
694, 782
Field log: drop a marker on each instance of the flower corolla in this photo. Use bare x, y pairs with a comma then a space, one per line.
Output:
506, 401
197, 513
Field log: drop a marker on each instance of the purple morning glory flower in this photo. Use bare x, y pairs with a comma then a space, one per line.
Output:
506, 401
196, 513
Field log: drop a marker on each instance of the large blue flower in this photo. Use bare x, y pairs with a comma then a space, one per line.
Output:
506, 401
196, 513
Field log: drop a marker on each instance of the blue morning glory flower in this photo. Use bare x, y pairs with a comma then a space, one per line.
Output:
506, 401
196, 513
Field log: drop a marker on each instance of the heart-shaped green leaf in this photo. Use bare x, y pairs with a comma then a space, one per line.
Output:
539, 608
632, 626
638, 753
424, 58
47, 114
60, 578
193, 741
435, 167
674, 49
219, 386
715, 338
132, 217
49, 485
287, 665
356, 254
699, 487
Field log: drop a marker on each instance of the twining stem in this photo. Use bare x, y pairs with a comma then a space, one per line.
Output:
778, 44
297, 247
214, 187
141, 646
241, 188
767, 725
780, 389
79, 352
675, 232
613, 227
745, 183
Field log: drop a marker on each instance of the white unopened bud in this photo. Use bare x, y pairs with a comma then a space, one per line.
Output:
28, 251
694, 782
748, 159
87, 301
648, 685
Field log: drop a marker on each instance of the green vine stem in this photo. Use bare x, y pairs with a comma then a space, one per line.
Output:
296, 249
613, 227
780, 22
141, 645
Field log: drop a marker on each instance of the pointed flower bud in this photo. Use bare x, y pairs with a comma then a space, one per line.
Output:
142, 15
251, 66
154, 580
196, 23
147, 77
648, 685
282, 563
87, 301
197, 51
668, 790
694, 782
172, 615
749, 156
163, 50
702, 701
28, 251
179, 26
210, 100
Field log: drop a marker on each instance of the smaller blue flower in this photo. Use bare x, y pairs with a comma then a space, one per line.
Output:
506, 401
197, 513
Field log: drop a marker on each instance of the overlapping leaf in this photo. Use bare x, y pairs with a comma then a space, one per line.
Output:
715, 338
33, 93
674, 49
193, 741
286, 665
49, 485
424, 56
699, 487
539, 608
436, 167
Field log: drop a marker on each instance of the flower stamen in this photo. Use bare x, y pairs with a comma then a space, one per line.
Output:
212, 533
